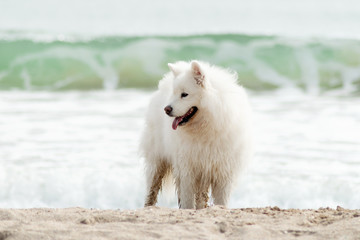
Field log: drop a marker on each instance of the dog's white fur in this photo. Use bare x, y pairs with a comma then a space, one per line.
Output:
210, 150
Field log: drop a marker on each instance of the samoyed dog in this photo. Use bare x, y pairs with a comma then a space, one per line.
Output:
198, 133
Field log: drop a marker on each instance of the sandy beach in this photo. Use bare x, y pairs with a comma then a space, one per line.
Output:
163, 223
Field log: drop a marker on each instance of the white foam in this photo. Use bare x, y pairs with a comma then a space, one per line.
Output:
68, 149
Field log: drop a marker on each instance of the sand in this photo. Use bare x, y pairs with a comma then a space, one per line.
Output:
163, 223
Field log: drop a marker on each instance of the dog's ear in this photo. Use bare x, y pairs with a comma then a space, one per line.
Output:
198, 73
174, 69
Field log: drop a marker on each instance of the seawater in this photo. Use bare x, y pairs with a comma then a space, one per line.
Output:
262, 62
80, 148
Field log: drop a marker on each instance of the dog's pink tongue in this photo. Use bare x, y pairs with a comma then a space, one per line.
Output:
176, 122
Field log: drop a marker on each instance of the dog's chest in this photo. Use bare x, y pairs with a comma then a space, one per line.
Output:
204, 153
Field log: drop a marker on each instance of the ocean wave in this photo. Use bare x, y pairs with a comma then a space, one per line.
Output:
262, 62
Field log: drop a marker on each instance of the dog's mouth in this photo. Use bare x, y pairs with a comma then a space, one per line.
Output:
181, 120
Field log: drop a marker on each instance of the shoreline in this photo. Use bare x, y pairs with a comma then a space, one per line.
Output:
215, 222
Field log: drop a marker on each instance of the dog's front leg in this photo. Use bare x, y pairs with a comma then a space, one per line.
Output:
221, 191
186, 193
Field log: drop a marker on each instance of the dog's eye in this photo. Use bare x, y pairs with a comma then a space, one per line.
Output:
184, 95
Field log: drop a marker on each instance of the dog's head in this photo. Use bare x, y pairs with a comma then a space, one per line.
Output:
188, 85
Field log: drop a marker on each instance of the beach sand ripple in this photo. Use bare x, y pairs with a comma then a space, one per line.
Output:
163, 223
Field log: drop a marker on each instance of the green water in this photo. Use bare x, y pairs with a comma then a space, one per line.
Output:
262, 62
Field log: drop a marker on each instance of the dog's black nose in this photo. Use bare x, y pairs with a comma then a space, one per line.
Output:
168, 109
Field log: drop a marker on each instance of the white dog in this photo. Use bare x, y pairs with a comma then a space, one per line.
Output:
202, 139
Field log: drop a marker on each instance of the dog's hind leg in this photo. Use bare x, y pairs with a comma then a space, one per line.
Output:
202, 193
201, 199
155, 180
177, 184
